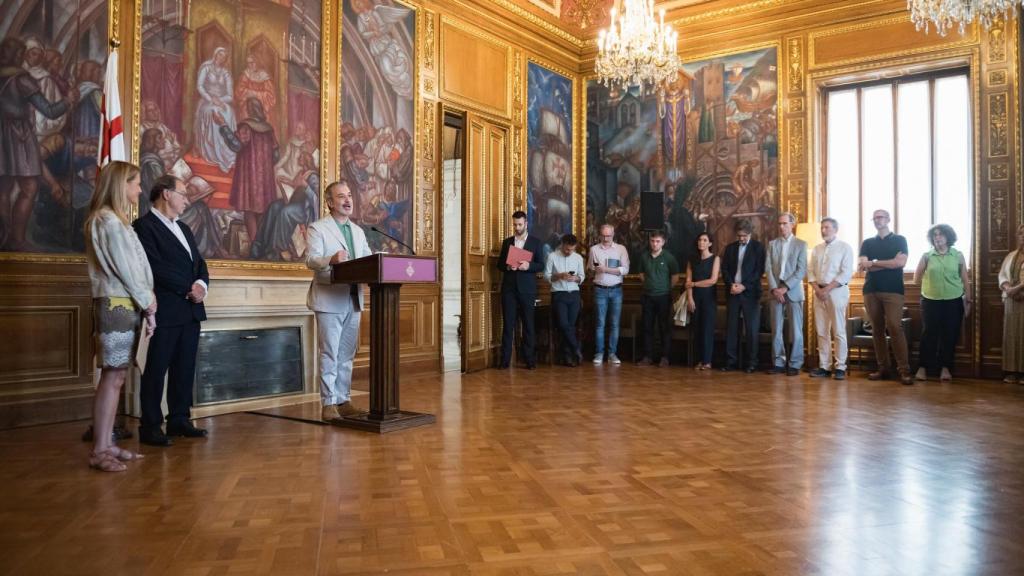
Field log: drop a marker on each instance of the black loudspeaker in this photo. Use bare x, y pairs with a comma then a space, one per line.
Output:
652, 210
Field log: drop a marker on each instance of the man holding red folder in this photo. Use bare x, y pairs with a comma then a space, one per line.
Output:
520, 261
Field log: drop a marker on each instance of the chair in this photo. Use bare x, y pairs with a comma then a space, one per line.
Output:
858, 338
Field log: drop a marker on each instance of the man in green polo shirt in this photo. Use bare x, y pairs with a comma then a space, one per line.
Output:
659, 272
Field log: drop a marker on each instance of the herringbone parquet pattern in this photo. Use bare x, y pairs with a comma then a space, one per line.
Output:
606, 471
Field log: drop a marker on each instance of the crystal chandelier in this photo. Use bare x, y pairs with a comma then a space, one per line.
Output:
945, 14
636, 49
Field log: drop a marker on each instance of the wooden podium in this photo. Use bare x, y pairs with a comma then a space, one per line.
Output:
385, 273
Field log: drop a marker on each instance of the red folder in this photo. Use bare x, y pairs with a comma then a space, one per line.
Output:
517, 255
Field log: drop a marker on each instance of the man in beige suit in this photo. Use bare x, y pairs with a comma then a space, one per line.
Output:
334, 239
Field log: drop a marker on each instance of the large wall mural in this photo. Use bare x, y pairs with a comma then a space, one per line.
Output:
230, 103
549, 191
708, 140
378, 116
52, 58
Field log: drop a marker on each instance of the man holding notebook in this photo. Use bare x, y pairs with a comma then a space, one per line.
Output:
519, 262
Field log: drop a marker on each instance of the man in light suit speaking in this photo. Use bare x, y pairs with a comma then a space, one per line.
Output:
786, 266
331, 240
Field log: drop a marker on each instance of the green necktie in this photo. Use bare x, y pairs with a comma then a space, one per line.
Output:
346, 232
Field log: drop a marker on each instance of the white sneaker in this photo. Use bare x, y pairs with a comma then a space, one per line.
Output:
921, 375
599, 359
614, 359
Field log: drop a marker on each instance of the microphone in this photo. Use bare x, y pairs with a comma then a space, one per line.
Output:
407, 247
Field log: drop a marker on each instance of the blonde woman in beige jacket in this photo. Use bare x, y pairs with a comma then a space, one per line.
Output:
122, 292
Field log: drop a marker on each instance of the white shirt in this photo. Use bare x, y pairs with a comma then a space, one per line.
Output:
831, 261
558, 262
172, 225
739, 263
599, 256
519, 242
785, 254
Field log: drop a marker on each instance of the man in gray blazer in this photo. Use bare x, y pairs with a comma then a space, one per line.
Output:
786, 266
331, 240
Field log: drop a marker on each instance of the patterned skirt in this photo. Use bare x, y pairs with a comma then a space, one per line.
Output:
1013, 335
116, 323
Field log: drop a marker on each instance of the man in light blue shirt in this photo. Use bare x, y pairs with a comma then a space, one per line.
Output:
564, 270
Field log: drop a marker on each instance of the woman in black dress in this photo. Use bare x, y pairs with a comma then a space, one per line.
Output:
701, 277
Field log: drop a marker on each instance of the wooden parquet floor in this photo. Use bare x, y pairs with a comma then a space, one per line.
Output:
591, 471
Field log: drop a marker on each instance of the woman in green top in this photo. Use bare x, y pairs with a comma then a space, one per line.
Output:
945, 300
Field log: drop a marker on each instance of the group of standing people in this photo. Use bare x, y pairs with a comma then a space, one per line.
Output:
147, 276
946, 298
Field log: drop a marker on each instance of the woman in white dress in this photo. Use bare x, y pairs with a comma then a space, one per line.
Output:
215, 93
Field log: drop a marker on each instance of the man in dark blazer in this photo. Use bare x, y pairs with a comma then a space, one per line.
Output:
742, 268
181, 281
519, 290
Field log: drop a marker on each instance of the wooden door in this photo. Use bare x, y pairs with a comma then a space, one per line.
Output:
484, 222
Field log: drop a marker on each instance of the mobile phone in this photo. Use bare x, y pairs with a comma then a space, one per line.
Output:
572, 272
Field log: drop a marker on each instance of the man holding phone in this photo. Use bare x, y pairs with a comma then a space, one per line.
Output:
564, 270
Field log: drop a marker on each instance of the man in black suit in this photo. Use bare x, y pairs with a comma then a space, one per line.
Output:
519, 289
180, 280
742, 268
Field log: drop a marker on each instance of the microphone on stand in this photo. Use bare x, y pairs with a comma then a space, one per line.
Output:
407, 247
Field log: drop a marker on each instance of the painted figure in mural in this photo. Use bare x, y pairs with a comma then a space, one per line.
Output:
171, 149
19, 150
151, 166
287, 217
87, 117
256, 83
374, 25
214, 85
673, 105
288, 167
253, 187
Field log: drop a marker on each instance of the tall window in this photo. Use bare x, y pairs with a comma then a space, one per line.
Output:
902, 145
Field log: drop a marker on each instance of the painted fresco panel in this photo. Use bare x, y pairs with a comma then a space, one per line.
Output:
549, 138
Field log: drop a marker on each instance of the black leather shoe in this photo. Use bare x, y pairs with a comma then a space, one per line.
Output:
750, 369
820, 373
792, 371
531, 366
503, 366
154, 438
186, 430
776, 370
727, 368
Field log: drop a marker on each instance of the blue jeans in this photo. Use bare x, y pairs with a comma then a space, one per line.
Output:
608, 301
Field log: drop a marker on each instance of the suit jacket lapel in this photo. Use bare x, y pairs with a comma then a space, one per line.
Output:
168, 235
332, 225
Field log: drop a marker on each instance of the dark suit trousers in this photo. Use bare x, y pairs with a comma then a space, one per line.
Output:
748, 305
657, 310
172, 351
514, 304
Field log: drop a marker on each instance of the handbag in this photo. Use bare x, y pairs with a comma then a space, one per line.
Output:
682, 315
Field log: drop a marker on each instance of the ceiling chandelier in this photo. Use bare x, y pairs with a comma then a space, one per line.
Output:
636, 49
945, 14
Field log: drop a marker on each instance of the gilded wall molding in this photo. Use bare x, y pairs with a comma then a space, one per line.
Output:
997, 42
468, 28
795, 66
970, 38
999, 229
541, 23
997, 125
796, 146
998, 171
997, 78
428, 40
